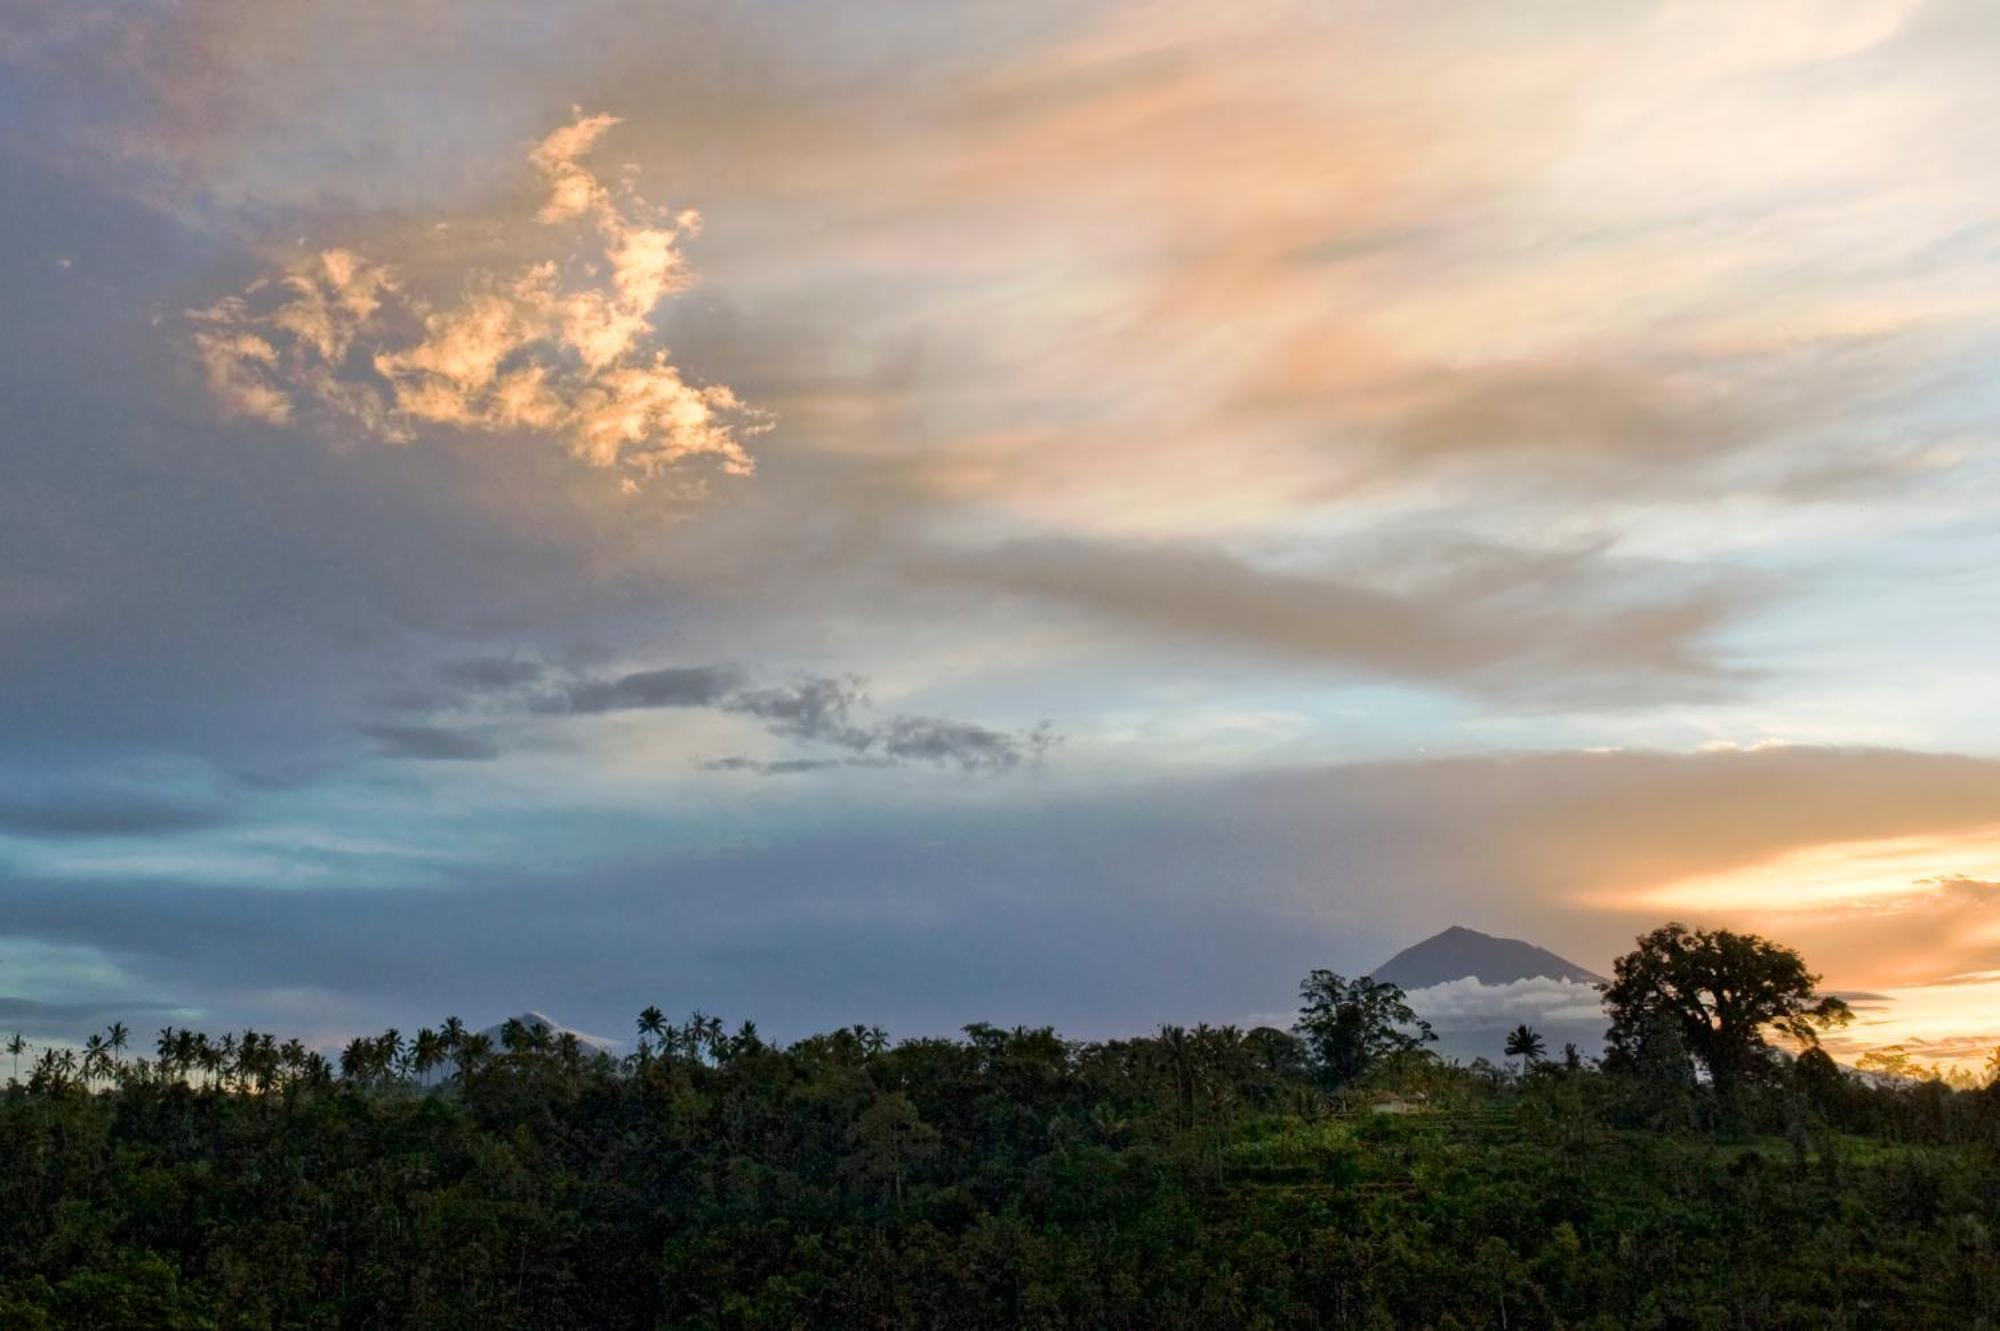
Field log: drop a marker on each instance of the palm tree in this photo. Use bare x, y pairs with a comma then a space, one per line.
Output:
96, 1058
473, 1050
211, 1056
117, 1037
513, 1035
427, 1052
652, 1022
16, 1046
1525, 1044
700, 1033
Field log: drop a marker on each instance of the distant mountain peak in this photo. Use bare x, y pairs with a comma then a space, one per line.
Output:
539, 1021
1459, 953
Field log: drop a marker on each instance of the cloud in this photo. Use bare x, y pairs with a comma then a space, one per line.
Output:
812, 709
962, 743
1490, 620
1467, 1003
70, 1020
1129, 297
1106, 910
671, 686
1577, 409
818, 710
430, 743
99, 814
556, 347
492, 672
783, 766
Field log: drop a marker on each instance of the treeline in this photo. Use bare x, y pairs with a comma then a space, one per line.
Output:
1334, 1175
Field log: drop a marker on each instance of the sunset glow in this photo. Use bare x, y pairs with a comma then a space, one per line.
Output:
1054, 512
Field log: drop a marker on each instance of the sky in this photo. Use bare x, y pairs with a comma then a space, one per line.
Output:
1069, 513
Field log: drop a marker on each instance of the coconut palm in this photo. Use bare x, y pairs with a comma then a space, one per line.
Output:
427, 1052
652, 1022
1525, 1044
96, 1059
16, 1046
473, 1051
514, 1035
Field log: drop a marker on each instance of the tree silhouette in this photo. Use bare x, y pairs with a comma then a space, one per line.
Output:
473, 1051
1718, 993
427, 1052
1351, 1025
16, 1046
96, 1059
1525, 1044
652, 1026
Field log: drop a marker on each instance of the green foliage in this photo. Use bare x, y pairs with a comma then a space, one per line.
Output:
1198, 1178
1713, 996
1351, 1026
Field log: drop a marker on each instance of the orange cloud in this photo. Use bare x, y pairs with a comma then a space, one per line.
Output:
554, 347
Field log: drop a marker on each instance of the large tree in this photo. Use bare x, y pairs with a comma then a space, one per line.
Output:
1716, 995
1351, 1025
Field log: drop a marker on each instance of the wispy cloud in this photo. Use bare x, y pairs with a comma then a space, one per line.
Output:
826, 711
560, 347
669, 686
430, 743
1496, 621
103, 814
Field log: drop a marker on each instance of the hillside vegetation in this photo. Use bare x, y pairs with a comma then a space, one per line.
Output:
1196, 1178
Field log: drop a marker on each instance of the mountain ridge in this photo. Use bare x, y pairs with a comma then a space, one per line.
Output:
1459, 953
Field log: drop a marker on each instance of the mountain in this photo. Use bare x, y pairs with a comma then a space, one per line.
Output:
535, 1021
1459, 953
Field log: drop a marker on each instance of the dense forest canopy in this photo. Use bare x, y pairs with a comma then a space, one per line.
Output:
1335, 1175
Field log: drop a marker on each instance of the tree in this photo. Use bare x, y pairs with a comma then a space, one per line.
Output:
473, 1051
1719, 994
1525, 1044
427, 1052
16, 1045
652, 1022
1350, 1025
886, 1141
96, 1059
